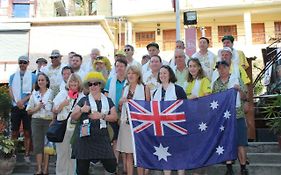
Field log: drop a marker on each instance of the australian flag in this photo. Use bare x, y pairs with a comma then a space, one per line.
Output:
184, 134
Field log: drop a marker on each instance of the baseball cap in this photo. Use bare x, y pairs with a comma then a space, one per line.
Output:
43, 60
221, 63
23, 58
55, 53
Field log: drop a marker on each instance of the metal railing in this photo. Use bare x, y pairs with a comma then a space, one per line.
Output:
274, 47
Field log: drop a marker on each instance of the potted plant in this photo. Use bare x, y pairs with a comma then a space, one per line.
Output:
7, 145
273, 114
7, 155
5, 106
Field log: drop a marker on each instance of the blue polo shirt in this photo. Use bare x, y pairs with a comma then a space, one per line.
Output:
23, 95
119, 88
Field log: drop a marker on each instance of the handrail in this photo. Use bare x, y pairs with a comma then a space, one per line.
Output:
270, 62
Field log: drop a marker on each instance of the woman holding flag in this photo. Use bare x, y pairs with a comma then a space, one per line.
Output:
198, 84
136, 90
167, 91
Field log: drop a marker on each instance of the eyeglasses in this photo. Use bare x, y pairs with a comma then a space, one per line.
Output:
95, 84
53, 57
127, 50
23, 62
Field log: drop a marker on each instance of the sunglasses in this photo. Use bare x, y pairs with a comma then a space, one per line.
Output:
127, 50
95, 84
53, 57
99, 57
23, 62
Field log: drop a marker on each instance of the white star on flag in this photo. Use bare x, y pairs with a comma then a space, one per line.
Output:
203, 126
220, 150
161, 152
222, 128
214, 104
227, 114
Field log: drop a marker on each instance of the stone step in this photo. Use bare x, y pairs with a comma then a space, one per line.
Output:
264, 158
254, 158
263, 147
254, 169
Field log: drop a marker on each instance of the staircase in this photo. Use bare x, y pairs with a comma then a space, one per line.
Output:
264, 157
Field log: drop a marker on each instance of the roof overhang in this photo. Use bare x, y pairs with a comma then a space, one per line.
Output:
60, 21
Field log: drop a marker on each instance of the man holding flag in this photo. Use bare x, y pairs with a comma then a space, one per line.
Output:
224, 82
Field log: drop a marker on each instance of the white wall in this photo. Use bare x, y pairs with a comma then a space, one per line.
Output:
66, 38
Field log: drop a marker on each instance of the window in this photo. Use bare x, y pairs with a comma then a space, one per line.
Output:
258, 33
277, 26
227, 30
169, 39
21, 10
144, 38
208, 34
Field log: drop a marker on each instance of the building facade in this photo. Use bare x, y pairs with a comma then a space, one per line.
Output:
253, 23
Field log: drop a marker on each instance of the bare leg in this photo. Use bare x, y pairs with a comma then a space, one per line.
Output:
39, 158
167, 172
46, 164
15, 135
124, 162
228, 162
140, 171
116, 153
181, 172
242, 155
130, 166
27, 141
146, 171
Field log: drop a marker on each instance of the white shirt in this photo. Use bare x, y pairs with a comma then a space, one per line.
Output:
207, 61
46, 111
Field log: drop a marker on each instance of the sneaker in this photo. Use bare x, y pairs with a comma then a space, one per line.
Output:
229, 172
244, 172
27, 159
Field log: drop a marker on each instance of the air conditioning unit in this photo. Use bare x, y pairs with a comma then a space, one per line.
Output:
60, 8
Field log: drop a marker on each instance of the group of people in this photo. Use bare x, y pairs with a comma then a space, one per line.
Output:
94, 95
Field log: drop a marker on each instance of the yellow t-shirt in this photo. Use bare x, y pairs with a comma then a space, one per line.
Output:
242, 59
205, 87
243, 74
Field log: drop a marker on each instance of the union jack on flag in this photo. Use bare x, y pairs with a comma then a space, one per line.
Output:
158, 117
184, 134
